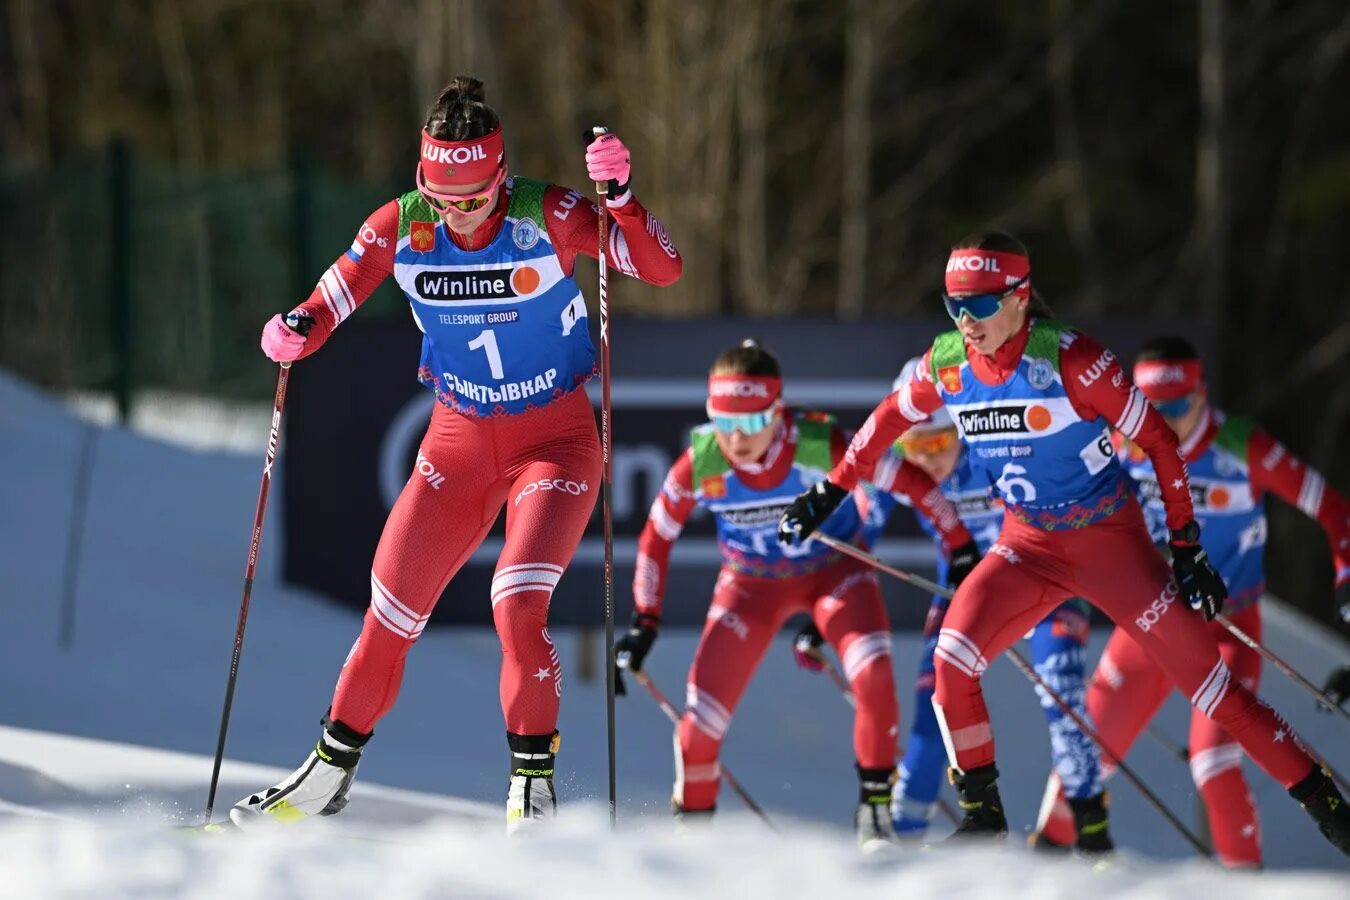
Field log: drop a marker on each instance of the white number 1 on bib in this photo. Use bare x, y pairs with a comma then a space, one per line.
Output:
488, 341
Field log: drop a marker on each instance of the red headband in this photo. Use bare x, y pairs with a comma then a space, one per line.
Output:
736, 394
986, 272
461, 162
1168, 379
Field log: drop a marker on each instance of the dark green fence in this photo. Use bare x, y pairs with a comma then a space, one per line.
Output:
117, 273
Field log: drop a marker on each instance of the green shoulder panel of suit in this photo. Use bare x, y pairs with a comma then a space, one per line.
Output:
708, 459
949, 349
813, 440
413, 207
527, 200
1043, 342
813, 447
1235, 436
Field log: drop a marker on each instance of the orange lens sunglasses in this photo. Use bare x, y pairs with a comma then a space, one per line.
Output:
926, 442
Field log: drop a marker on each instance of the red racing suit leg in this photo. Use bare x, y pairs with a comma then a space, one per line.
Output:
1091, 562
852, 616
467, 469
1216, 758
1008, 593
745, 614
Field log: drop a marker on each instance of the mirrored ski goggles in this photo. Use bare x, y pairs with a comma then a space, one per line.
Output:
980, 306
441, 202
926, 442
1174, 409
745, 423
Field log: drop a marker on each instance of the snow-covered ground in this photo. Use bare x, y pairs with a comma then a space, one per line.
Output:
157, 601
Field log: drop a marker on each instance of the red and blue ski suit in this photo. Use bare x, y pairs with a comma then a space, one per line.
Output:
1036, 416
506, 350
1058, 653
762, 583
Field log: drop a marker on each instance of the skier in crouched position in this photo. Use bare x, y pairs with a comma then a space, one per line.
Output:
487, 264
1035, 401
745, 467
1233, 465
1058, 649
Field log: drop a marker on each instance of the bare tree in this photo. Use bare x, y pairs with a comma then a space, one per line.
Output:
1077, 199
34, 116
1210, 197
856, 160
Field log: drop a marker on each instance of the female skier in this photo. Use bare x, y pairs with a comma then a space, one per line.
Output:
745, 467
1233, 464
486, 261
1058, 647
1034, 402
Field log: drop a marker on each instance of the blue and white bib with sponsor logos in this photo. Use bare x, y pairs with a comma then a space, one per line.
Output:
747, 517
1232, 519
1051, 467
504, 329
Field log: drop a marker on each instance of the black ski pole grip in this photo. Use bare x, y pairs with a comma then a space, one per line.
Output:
299, 323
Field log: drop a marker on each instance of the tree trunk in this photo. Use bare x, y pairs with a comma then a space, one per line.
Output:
751, 252
34, 116
1077, 202
1210, 200
178, 73
856, 159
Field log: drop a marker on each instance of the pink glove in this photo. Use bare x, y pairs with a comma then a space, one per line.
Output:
806, 648
280, 342
607, 160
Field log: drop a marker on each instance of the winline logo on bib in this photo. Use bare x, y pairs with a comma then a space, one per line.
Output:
1005, 420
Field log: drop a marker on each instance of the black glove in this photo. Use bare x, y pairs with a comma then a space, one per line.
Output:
1337, 688
809, 511
962, 563
631, 649
299, 322
1342, 596
1200, 585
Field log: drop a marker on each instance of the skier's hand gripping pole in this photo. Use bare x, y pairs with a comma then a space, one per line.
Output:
301, 325
1020, 661
674, 716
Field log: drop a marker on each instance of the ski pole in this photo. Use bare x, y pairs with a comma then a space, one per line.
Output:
1279, 664
302, 325
606, 481
673, 715
1180, 751
840, 682
1026, 669
79, 508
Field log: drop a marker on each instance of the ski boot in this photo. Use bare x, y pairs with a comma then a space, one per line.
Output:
980, 802
1318, 795
318, 788
530, 801
691, 821
872, 823
1090, 821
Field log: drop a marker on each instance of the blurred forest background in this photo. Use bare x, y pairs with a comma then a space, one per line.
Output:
174, 171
